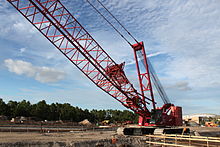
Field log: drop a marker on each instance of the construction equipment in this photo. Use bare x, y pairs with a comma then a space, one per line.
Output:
60, 27
210, 124
105, 122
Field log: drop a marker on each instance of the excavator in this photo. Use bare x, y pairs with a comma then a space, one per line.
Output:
56, 23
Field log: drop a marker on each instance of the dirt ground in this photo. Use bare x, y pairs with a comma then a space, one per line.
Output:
13, 137
79, 136
206, 131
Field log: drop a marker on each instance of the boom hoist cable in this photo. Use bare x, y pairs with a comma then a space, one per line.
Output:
153, 74
156, 81
109, 22
118, 21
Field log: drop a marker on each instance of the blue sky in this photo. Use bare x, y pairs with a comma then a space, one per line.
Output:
182, 39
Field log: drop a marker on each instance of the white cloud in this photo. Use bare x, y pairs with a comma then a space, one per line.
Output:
155, 54
3, 4
15, 27
22, 27
22, 50
191, 37
20, 67
48, 75
130, 61
197, 70
181, 85
41, 74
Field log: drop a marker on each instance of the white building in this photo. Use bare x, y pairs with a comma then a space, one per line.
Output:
198, 118
190, 116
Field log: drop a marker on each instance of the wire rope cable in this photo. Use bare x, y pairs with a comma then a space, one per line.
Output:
109, 23
117, 20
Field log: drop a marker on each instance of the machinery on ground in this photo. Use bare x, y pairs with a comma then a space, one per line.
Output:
60, 27
210, 124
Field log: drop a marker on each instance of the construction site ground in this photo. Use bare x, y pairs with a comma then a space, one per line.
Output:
206, 131
73, 138
68, 137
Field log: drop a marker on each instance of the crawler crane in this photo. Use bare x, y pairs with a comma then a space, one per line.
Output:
62, 29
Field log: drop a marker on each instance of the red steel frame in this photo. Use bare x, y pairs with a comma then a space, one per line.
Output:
144, 78
170, 115
59, 26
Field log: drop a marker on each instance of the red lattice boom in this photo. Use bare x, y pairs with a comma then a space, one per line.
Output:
57, 24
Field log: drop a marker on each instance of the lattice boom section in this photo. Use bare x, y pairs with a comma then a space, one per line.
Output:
55, 22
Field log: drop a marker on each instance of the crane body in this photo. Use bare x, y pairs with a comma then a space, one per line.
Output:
168, 114
53, 20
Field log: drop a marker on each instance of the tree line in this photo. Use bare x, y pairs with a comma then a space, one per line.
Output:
66, 112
